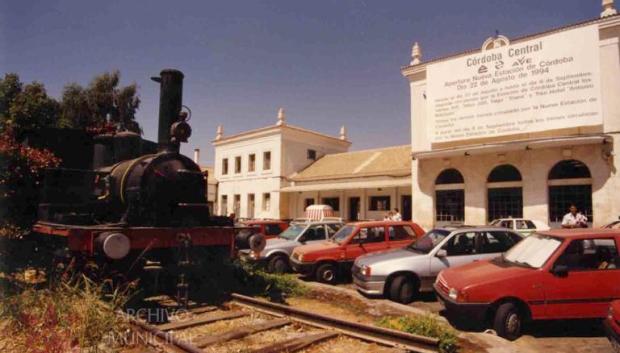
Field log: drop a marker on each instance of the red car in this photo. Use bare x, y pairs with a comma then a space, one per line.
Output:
268, 227
612, 325
328, 259
557, 274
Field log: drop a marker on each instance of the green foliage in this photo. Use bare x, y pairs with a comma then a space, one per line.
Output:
271, 284
426, 325
70, 316
10, 87
74, 108
32, 108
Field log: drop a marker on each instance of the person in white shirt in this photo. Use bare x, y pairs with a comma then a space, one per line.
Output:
574, 219
396, 216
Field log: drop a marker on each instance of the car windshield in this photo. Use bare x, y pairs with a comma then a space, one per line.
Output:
292, 232
343, 234
425, 244
533, 251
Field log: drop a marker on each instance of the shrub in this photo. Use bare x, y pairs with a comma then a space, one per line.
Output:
70, 317
426, 325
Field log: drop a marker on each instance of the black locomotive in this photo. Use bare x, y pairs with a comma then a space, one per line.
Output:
138, 210
129, 186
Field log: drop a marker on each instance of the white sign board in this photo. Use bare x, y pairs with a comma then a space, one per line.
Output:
545, 83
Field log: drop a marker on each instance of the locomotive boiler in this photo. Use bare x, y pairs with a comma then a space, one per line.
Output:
137, 208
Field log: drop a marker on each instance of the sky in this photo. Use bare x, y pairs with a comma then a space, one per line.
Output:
327, 63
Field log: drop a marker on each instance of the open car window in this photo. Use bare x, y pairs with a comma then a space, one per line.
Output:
590, 255
369, 235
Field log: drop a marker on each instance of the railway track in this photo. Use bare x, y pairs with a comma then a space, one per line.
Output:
251, 325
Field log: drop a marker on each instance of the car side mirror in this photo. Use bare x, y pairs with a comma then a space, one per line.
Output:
302, 239
442, 253
560, 270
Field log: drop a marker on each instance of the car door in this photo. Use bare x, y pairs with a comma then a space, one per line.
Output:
524, 227
314, 234
590, 282
400, 236
491, 244
367, 240
460, 249
331, 229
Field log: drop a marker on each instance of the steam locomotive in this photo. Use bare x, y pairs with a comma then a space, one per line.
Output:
136, 211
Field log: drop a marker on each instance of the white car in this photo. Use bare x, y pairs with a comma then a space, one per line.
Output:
521, 225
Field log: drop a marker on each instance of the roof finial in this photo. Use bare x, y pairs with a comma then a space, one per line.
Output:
219, 133
608, 8
343, 133
416, 54
281, 117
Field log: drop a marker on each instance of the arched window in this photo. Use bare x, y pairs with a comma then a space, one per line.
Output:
504, 193
449, 197
449, 176
503, 173
570, 182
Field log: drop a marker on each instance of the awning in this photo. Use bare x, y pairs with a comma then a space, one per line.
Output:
347, 185
513, 146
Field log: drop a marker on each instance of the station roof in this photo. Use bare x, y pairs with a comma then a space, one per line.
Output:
382, 162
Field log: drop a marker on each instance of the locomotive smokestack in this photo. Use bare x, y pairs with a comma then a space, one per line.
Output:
170, 101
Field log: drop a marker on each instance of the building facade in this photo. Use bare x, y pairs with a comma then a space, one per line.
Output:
521, 127
358, 185
251, 167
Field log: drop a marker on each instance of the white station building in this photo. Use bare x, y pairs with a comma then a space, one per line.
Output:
519, 127
279, 170
251, 167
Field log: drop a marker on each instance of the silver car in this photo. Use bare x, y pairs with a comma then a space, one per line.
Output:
402, 273
276, 254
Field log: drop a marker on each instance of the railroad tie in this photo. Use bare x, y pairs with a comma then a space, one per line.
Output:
206, 319
295, 344
240, 332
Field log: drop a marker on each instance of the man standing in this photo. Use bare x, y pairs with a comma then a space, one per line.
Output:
396, 216
574, 219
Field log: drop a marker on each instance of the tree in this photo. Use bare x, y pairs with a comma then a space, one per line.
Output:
33, 109
74, 108
101, 103
10, 87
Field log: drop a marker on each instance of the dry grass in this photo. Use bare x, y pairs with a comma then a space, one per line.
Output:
71, 317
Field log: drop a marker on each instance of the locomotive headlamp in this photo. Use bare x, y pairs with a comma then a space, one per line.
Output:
180, 131
114, 245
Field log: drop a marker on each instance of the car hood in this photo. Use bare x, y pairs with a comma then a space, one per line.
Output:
324, 245
278, 242
385, 256
483, 272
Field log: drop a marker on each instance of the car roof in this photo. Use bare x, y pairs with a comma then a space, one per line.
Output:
581, 232
484, 228
380, 223
264, 221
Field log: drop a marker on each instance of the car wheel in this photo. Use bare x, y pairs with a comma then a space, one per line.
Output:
326, 273
508, 321
403, 289
278, 264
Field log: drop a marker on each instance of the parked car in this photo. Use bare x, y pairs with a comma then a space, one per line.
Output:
275, 255
327, 260
521, 225
613, 225
612, 325
402, 273
270, 228
558, 274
